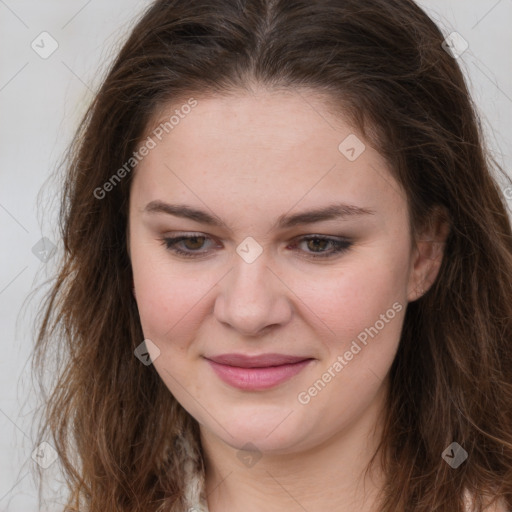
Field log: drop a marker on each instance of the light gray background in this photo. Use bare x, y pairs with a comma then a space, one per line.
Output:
41, 102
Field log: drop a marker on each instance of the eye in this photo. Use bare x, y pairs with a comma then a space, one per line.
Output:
316, 245
194, 242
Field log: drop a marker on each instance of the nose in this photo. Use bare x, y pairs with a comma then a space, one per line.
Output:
252, 298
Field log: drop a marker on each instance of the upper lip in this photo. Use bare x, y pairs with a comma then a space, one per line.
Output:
264, 360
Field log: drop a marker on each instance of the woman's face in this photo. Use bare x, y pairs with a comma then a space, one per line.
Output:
262, 274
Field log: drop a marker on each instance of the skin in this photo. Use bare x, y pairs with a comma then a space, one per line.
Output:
249, 159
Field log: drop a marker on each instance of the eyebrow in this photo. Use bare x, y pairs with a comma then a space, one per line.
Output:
329, 212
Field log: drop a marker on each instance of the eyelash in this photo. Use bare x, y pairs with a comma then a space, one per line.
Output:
340, 246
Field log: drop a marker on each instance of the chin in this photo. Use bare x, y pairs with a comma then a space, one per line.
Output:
268, 435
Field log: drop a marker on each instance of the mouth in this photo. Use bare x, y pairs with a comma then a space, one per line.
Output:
257, 372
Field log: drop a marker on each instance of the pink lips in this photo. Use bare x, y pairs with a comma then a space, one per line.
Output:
256, 372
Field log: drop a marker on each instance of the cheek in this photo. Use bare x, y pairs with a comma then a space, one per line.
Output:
169, 297
349, 298
170, 310
364, 307
171, 306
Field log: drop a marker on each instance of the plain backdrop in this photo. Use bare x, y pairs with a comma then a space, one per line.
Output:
41, 102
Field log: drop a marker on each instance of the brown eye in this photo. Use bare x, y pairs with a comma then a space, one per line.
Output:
192, 242
316, 246
190, 245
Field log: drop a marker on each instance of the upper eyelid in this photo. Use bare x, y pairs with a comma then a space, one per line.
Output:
309, 236
198, 234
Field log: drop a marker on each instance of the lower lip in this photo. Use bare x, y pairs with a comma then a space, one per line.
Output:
257, 378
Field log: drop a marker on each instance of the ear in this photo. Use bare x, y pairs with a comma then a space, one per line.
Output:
428, 252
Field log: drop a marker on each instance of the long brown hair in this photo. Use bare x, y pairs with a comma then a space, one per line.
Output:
113, 422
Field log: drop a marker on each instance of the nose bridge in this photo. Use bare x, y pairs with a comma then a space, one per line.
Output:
251, 297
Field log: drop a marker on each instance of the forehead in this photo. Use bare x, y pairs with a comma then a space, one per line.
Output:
262, 147
285, 119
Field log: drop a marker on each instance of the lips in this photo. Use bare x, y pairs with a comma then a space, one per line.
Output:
261, 361
253, 373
